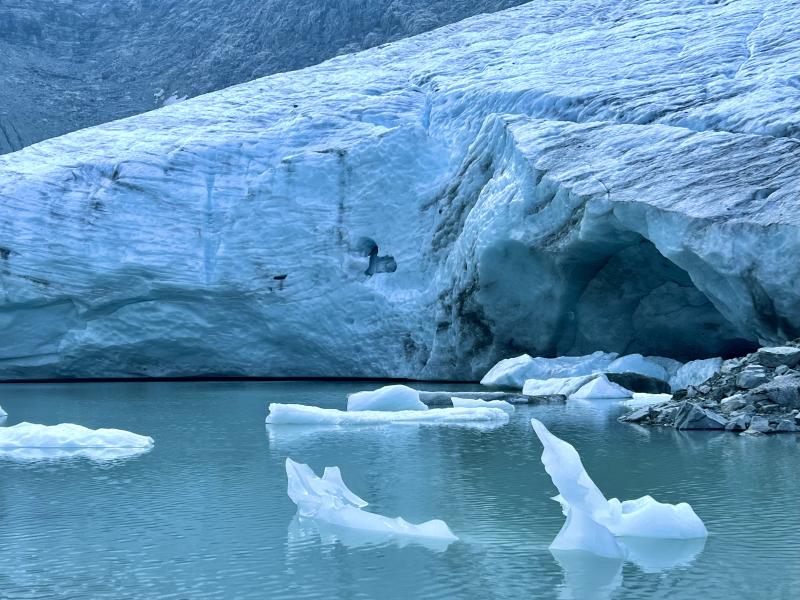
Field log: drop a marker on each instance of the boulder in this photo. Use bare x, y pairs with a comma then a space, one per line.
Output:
732, 403
786, 426
751, 377
692, 416
783, 390
758, 424
776, 356
738, 423
637, 415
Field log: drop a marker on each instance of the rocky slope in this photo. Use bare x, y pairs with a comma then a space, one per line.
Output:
556, 178
71, 64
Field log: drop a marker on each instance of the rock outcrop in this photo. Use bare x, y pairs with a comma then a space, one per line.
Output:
556, 178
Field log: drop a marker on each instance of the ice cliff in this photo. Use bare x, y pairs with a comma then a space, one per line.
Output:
557, 178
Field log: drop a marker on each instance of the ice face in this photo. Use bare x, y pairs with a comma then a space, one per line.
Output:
601, 388
328, 499
512, 372
593, 523
478, 403
298, 414
388, 398
695, 372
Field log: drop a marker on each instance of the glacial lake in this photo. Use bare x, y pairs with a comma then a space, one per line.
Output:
205, 513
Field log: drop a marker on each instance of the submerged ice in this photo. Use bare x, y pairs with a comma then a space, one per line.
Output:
594, 524
329, 500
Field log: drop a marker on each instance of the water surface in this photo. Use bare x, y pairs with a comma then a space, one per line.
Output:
205, 513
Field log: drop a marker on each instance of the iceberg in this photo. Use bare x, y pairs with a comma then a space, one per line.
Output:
636, 363
327, 499
299, 414
2, 412
478, 403
513, 372
695, 372
388, 398
29, 441
565, 386
601, 388
594, 524
641, 400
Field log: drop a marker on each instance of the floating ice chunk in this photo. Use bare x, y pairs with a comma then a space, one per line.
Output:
513, 372
478, 403
636, 363
29, 441
298, 414
601, 388
329, 500
2, 412
695, 372
670, 365
565, 386
593, 522
641, 399
389, 398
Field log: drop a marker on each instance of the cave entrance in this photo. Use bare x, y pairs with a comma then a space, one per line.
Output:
624, 298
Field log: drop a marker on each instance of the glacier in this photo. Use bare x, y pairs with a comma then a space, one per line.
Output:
594, 524
555, 179
328, 500
389, 398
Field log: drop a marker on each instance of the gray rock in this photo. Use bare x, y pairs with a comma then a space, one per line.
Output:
692, 416
776, 356
637, 415
751, 377
783, 390
732, 403
759, 424
739, 423
636, 382
786, 425
781, 370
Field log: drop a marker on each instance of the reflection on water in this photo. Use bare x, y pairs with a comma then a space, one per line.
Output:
204, 515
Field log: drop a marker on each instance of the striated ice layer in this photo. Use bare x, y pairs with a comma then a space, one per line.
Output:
299, 414
695, 372
327, 499
513, 372
556, 178
601, 388
593, 523
388, 398
478, 403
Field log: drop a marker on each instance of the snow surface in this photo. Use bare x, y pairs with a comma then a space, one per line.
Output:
556, 178
695, 372
601, 388
299, 414
512, 372
593, 523
478, 403
636, 363
566, 386
390, 398
329, 500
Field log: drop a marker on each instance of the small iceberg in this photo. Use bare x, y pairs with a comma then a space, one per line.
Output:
600, 388
513, 372
30, 441
3, 413
387, 398
594, 524
478, 403
640, 400
328, 500
636, 363
299, 414
565, 386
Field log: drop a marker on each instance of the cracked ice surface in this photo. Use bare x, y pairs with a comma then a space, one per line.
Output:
555, 178
594, 523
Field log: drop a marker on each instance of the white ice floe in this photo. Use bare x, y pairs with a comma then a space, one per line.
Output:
641, 399
2, 412
478, 403
327, 499
600, 388
29, 441
636, 363
513, 372
593, 523
387, 398
298, 414
565, 386
695, 372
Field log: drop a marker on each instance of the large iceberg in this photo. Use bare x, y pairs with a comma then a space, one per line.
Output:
593, 523
329, 500
601, 388
478, 403
695, 372
390, 398
299, 414
556, 178
30, 441
513, 372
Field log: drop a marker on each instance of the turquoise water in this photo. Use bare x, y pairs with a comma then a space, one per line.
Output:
205, 513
